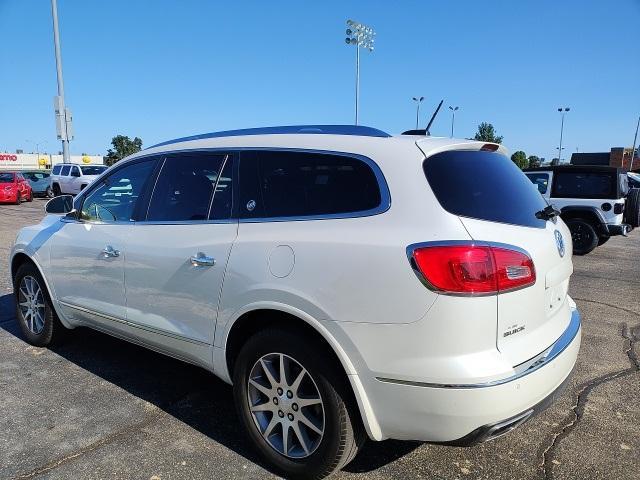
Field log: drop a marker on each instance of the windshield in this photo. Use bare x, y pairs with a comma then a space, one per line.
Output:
93, 170
484, 185
6, 177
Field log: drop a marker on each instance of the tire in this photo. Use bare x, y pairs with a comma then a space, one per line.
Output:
30, 199
49, 193
335, 415
18, 199
56, 190
583, 235
632, 208
44, 327
603, 239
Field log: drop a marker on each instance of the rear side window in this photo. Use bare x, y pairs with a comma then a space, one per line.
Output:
584, 185
56, 170
304, 184
65, 170
484, 185
185, 188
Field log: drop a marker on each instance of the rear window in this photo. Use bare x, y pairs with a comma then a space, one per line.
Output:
6, 177
484, 185
584, 185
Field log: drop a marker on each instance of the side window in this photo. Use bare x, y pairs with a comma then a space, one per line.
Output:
114, 199
540, 180
56, 170
75, 171
65, 170
584, 185
185, 188
298, 184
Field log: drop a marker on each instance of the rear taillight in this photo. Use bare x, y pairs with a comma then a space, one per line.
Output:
473, 269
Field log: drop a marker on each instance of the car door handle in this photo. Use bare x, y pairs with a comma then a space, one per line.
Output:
110, 252
201, 260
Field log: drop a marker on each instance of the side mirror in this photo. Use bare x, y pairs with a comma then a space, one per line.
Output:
59, 205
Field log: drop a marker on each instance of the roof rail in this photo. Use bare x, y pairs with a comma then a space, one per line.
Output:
357, 130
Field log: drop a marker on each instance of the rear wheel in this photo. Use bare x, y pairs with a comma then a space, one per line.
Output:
632, 208
583, 235
49, 193
34, 311
296, 409
56, 190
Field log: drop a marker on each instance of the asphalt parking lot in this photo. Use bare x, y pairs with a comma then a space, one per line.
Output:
96, 407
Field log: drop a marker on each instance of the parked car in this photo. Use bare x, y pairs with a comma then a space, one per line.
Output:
14, 188
69, 178
40, 182
594, 201
348, 283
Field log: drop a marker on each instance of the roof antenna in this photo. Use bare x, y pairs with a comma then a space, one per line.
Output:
433, 117
426, 130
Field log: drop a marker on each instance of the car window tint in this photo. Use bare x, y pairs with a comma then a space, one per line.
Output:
584, 185
540, 180
92, 170
223, 196
115, 197
185, 187
75, 171
484, 185
65, 170
299, 184
56, 169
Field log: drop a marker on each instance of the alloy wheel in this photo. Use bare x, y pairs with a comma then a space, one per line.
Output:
31, 304
286, 405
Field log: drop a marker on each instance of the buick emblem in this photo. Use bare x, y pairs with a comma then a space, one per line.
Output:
559, 243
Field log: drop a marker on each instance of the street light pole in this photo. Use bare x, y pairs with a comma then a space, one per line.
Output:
359, 35
453, 117
61, 111
563, 111
418, 101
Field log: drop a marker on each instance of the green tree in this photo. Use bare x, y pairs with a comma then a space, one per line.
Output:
520, 159
534, 161
123, 146
486, 133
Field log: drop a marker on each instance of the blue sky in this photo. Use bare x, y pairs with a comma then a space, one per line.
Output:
163, 69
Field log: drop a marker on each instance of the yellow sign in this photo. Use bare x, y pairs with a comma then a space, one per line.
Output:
42, 161
86, 159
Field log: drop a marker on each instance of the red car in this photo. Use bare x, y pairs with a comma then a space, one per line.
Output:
14, 188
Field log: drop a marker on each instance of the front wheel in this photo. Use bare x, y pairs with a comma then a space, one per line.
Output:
34, 311
584, 236
30, 198
49, 193
295, 408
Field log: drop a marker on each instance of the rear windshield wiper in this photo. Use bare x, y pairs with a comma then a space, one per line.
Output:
547, 213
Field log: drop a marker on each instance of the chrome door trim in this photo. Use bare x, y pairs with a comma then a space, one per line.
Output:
134, 325
522, 370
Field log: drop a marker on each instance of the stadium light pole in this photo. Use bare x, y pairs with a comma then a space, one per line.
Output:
453, 117
359, 35
563, 111
418, 101
63, 117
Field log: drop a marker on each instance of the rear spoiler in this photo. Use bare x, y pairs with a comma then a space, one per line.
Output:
431, 146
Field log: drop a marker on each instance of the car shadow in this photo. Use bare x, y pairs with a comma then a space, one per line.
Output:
188, 393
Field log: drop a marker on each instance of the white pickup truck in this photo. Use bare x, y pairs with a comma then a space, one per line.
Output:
71, 178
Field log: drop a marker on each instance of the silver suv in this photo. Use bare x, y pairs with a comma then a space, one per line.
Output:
70, 178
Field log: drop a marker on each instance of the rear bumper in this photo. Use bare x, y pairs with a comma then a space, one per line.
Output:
464, 414
621, 229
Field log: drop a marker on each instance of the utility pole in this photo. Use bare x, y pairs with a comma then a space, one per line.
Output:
63, 116
633, 150
453, 117
418, 101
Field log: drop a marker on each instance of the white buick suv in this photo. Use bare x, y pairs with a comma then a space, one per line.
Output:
347, 282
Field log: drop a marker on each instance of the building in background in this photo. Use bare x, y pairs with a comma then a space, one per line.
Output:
43, 161
617, 157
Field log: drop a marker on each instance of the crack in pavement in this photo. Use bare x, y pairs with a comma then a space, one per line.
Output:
124, 432
631, 336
